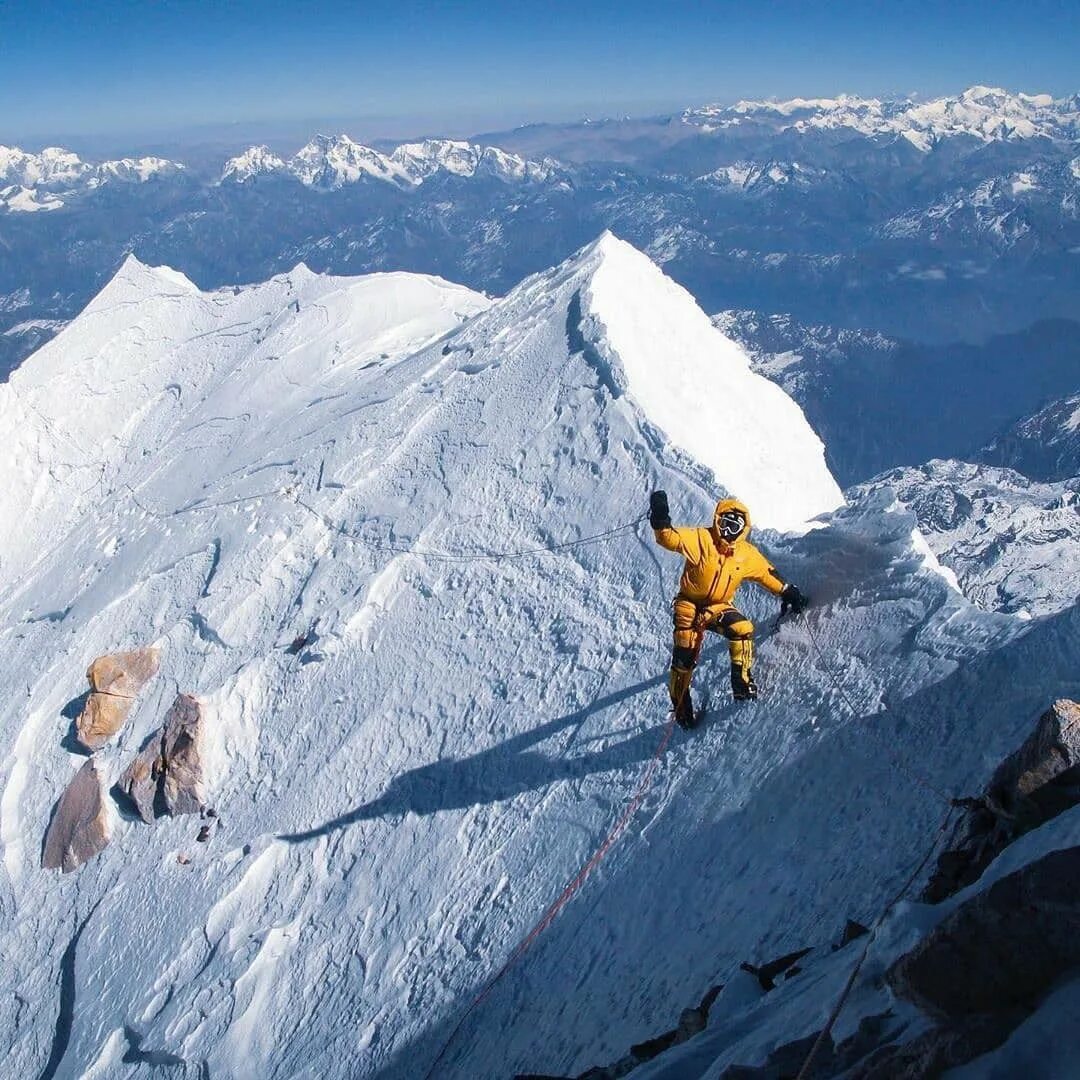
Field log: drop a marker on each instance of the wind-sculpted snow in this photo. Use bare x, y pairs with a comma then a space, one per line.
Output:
410, 754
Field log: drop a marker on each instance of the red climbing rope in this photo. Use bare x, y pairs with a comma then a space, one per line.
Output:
564, 897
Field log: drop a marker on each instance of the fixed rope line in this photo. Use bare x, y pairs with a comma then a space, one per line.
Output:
565, 896
376, 545
845, 993
198, 507
898, 763
469, 556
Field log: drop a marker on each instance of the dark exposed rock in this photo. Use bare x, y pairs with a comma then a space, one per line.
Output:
691, 1022
167, 775
1032, 786
80, 826
1051, 749
768, 973
1003, 948
852, 932
938, 1049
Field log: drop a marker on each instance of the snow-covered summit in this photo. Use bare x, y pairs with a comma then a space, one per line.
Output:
697, 386
423, 159
333, 161
255, 161
985, 113
761, 176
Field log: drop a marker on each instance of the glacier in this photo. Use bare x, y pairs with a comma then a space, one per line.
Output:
376, 468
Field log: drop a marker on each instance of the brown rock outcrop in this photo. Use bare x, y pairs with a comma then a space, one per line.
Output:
167, 776
115, 681
80, 826
1031, 786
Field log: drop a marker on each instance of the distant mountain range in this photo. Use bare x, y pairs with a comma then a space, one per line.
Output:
981, 112
329, 162
54, 177
952, 220
44, 181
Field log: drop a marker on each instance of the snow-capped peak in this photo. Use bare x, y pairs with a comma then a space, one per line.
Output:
749, 175
255, 161
137, 170
53, 165
423, 159
135, 281
696, 385
330, 161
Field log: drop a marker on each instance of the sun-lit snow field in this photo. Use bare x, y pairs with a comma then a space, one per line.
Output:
220, 473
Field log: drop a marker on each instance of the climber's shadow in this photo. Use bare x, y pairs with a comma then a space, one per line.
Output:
501, 772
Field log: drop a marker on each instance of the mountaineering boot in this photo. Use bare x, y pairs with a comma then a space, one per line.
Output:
743, 687
681, 702
685, 716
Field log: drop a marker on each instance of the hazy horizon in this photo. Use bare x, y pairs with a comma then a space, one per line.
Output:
288, 135
133, 74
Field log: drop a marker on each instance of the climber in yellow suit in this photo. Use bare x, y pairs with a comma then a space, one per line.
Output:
718, 559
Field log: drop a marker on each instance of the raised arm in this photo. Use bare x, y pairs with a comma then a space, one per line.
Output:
683, 541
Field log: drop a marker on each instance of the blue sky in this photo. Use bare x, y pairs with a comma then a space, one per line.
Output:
116, 66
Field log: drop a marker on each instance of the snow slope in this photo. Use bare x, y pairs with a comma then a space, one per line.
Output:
221, 472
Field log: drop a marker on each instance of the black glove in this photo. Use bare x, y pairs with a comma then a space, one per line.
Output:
792, 600
659, 514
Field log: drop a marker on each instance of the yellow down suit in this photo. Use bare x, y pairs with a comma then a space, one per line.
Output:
713, 571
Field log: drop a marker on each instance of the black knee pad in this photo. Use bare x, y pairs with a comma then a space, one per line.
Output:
684, 658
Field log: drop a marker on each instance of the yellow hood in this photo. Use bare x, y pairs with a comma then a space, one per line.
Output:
731, 504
